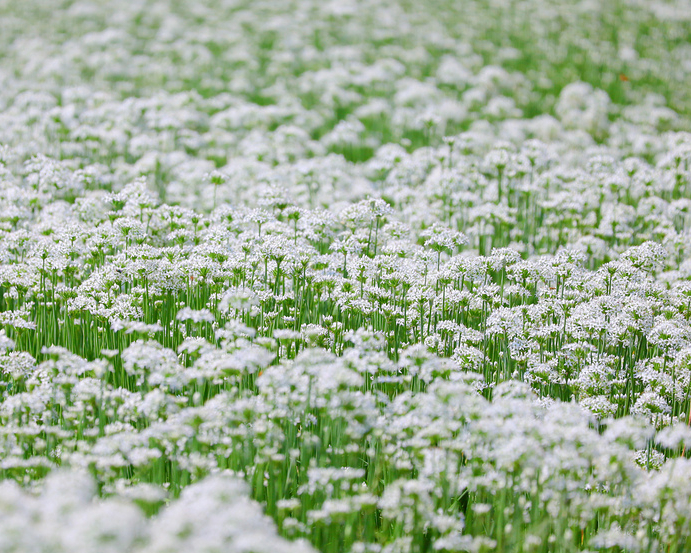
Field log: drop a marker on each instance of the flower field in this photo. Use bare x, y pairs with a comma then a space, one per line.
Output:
368, 276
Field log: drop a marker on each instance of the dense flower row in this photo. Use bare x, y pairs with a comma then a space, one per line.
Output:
573, 309
349, 451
